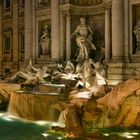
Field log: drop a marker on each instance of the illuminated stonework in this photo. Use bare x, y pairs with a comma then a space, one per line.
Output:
112, 22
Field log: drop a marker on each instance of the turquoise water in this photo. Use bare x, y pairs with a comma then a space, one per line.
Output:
16, 129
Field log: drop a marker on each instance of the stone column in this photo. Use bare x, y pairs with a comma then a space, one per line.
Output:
33, 31
1, 42
62, 35
55, 29
28, 29
107, 31
15, 36
117, 30
68, 36
126, 28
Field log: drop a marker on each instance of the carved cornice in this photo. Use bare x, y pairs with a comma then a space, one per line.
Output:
45, 12
107, 1
82, 2
8, 32
88, 10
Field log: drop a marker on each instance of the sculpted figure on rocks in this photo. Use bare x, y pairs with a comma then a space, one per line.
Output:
31, 75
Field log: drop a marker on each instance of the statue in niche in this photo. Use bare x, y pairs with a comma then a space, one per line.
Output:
83, 34
137, 35
45, 41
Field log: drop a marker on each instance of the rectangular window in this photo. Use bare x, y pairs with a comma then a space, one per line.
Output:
22, 43
21, 49
7, 44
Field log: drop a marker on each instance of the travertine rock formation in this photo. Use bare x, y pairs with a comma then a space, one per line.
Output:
5, 90
104, 106
121, 106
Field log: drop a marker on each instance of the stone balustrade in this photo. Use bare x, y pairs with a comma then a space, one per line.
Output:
81, 2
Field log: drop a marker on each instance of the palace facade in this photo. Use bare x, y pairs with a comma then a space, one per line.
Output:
115, 25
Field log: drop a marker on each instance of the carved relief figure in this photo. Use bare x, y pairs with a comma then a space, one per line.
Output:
45, 41
137, 35
88, 73
101, 75
83, 34
31, 75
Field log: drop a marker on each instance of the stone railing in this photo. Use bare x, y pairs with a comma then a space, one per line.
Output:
81, 2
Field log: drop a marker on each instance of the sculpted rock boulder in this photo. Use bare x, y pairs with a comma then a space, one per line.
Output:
5, 92
121, 106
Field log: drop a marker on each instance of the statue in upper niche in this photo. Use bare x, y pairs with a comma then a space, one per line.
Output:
45, 41
83, 34
137, 35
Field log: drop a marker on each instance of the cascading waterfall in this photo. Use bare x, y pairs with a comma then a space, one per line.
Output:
35, 105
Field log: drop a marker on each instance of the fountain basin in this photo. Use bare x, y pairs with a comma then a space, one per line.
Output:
34, 106
51, 88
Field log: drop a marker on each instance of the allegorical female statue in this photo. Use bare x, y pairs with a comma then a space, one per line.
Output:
83, 34
45, 41
137, 35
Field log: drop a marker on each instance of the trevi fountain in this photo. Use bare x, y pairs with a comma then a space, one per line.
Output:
74, 98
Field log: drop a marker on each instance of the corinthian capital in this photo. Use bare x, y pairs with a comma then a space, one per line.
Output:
67, 13
107, 4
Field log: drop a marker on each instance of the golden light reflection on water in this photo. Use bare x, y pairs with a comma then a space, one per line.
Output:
120, 134
127, 135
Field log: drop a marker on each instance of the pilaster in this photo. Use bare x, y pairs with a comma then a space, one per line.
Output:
28, 29
1, 48
15, 36
33, 31
107, 6
55, 29
126, 31
117, 30
68, 36
62, 35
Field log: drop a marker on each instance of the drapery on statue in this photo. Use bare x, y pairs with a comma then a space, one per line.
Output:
101, 74
83, 34
45, 41
137, 35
